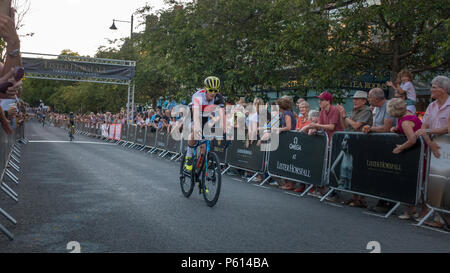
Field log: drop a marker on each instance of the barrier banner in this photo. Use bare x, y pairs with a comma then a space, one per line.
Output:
123, 134
161, 139
247, 158
300, 157
364, 163
104, 130
92, 129
140, 135
438, 188
218, 146
132, 133
118, 132
98, 130
150, 137
173, 145
112, 130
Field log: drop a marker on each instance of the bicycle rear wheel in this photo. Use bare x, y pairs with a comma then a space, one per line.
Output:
212, 180
186, 179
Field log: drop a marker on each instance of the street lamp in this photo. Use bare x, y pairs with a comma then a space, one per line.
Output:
113, 26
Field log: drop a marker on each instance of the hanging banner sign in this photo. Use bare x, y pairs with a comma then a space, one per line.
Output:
300, 157
118, 132
246, 157
123, 134
140, 135
150, 138
132, 133
112, 130
104, 130
78, 69
173, 145
364, 163
161, 139
218, 146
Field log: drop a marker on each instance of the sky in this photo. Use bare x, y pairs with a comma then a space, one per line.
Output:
79, 25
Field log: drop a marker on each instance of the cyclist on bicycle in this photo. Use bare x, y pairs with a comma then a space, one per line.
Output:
203, 103
71, 124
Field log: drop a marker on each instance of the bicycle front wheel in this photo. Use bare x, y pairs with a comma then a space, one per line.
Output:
186, 179
212, 180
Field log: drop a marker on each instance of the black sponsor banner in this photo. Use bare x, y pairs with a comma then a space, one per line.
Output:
161, 139
438, 188
132, 133
300, 157
98, 130
246, 156
364, 163
173, 145
78, 69
92, 129
150, 137
123, 133
140, 135
218, 146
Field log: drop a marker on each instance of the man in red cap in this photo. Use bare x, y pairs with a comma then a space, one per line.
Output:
329, 119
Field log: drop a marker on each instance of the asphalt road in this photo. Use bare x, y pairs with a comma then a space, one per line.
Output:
112, 199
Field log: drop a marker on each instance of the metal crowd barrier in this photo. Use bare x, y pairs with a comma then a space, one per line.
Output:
10, 152
364, 164
357, 163
300, 158
437, 182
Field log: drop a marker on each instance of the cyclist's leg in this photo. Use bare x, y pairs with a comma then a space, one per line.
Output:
190, 149
189, 152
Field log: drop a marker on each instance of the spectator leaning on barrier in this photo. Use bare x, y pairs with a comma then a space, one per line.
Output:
303, 119
435, 122
299, 101
409, 108
360, 116
382, 123
407, 125
287, 123
329, 119
252, 123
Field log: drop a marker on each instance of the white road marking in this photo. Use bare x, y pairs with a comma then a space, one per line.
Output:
66, 141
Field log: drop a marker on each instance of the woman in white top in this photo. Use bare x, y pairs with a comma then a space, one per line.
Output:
404, 85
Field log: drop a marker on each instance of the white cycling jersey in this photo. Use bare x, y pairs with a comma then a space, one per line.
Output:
199, 101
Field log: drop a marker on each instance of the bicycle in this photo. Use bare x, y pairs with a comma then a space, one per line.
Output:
205, 170
71, 132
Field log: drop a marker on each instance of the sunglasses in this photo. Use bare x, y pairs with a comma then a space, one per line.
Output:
212, 90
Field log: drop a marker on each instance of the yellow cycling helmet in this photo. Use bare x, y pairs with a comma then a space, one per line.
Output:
212, 84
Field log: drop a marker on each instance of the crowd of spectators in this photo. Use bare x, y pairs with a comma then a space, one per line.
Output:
372, 112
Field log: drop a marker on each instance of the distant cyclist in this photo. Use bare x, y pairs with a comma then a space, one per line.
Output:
71, 125
203, 103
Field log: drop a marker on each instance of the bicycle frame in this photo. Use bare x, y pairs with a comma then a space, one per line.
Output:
208, 147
